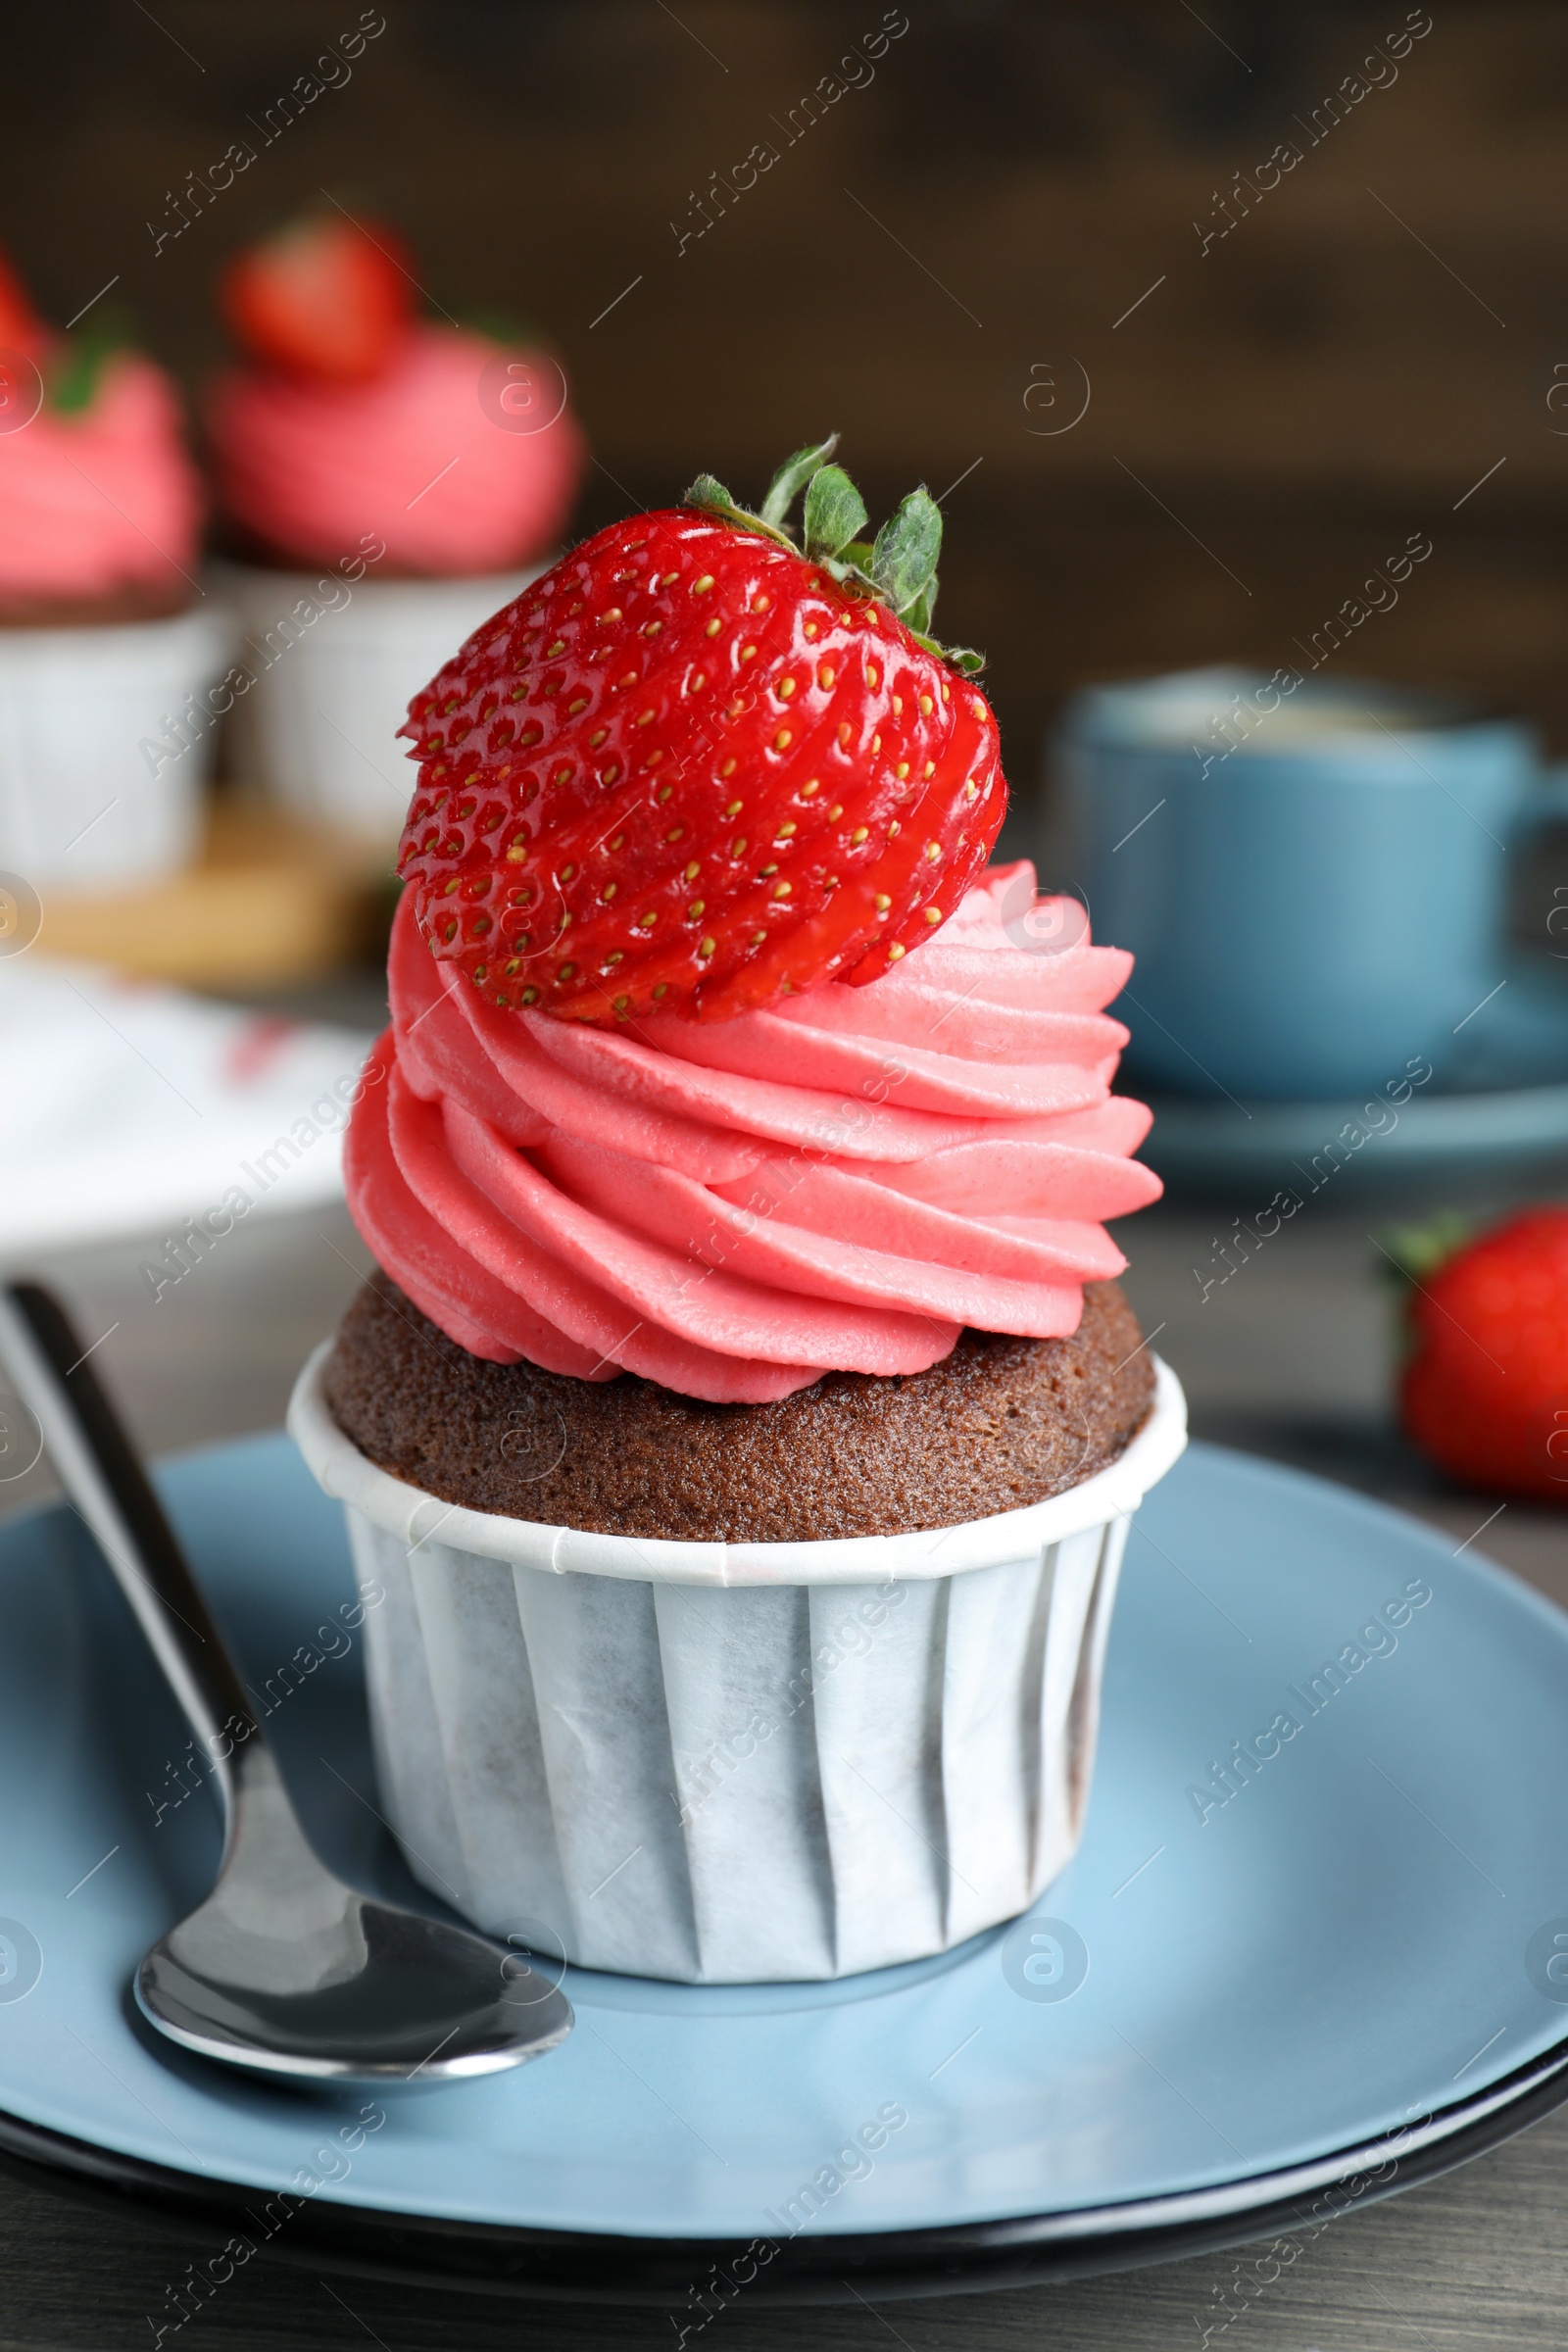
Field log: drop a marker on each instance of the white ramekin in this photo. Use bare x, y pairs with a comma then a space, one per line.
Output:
102, 762
334, 665
744, 1762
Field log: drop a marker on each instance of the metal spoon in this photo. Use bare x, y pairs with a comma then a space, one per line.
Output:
284, 1967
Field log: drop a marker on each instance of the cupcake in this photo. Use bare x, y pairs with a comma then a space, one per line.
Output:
739, 1434
104, 645
389, 481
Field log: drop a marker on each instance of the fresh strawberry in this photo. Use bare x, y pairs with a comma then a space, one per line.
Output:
327, 299
21, 327
1485, 1390
695, 770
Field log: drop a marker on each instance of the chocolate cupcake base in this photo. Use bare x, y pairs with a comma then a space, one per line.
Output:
117, 609
999, 1424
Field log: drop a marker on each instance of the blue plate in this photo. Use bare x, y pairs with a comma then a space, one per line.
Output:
1339, 1969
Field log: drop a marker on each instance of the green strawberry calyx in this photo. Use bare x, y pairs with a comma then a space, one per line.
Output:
1410, 1254
899, 568
74, 369
1413, 1253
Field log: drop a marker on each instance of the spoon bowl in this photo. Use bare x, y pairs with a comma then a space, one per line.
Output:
386, 1996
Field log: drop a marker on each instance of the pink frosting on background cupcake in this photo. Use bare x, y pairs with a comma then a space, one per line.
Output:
734, 1208
100, 500
412, 455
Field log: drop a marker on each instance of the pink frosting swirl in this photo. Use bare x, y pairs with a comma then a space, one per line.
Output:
412, 455
103, 498
733, 1208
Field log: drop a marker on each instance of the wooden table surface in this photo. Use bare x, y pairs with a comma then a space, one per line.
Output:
1289, 1359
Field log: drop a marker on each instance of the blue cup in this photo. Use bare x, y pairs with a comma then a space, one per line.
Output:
1311, 876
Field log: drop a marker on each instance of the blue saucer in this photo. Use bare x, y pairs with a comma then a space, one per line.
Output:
1502, 1105
1340, 1968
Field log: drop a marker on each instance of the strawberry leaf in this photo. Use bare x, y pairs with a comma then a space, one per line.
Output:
710, 493
713, 499
957, 657
1412, 1252
835, 512
792, 477
916, 617
903, 561
74, 369
505, 327
899, 568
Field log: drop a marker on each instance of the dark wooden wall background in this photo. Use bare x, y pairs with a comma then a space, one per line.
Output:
1272, 420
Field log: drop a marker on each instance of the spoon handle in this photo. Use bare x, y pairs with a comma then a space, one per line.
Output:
103, 1477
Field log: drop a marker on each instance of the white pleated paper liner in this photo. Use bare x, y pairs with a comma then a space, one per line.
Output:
735, 1763
102, 764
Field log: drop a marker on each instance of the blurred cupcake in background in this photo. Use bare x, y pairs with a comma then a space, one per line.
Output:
387, 482
105, 645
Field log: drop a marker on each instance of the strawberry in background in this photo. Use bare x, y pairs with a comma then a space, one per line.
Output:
21, 327
384, 478
1484, 1391
102, 631
352, 415
329, 301
100, 507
